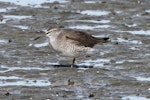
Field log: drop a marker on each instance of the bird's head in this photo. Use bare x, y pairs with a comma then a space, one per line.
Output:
54, 32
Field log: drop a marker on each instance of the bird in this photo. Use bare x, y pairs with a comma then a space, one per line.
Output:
73, 43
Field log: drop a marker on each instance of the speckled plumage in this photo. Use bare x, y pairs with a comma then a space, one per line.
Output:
73, 43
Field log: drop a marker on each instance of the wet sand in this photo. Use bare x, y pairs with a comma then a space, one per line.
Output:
31, 70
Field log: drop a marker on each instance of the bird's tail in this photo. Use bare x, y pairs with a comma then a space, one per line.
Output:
103, 40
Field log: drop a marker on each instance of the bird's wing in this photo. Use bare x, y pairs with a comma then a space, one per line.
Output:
81, 38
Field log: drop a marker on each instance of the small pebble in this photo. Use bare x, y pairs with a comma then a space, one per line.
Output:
138, 1
103, 2
91, 95
9, 40
55, 7
70, 82
116, 43
7, 94
97, 72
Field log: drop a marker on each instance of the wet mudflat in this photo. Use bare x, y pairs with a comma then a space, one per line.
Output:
121, 71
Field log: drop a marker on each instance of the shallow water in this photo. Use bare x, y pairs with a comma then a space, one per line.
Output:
30, 69
94, 12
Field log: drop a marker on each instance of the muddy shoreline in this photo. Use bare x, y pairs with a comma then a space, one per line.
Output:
120, 72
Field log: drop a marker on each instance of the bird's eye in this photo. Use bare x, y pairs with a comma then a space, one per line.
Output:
47, 32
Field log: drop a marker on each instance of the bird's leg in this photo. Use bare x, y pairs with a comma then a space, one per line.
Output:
72, 65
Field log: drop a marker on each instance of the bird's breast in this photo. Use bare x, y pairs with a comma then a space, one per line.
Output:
54, 43
69, 49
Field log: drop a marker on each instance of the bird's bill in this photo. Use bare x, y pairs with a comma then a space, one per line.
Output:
37, 38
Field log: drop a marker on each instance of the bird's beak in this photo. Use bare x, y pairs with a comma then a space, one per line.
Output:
37, 38
45, 34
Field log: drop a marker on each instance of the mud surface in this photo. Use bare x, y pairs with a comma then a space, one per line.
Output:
28, 68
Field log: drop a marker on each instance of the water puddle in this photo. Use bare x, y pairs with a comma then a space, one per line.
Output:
94, 12
2, 10
25, 82
6, 9
140, 32
21, 27
96, 63
148, 54
148, 11
3, 41
118, 11
139, 78
39, 45
18, 81
9, 77
13, 17
89, 1
19, 17
123, 61
90, 21
135, 98
7, 69
88, 27
121, 40
131, 25
32, 3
